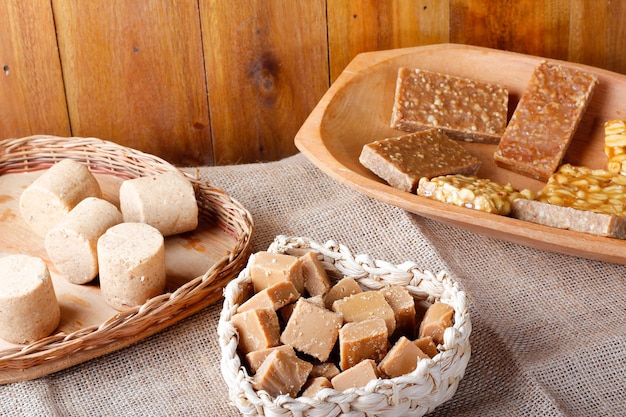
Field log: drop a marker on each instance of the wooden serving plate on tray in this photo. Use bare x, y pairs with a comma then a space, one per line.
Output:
198, 263
357, 110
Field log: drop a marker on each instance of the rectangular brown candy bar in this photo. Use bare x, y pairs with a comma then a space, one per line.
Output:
545, 120
464, 109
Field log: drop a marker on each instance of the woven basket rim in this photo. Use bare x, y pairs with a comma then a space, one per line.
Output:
41, 151
379, 397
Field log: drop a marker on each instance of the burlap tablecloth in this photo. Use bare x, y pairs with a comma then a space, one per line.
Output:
549, 331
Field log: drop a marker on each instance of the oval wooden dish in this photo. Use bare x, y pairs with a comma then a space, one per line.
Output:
357, 110
199, 263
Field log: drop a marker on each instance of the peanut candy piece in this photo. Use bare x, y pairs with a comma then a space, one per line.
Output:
472, 192
583, 188
615, 145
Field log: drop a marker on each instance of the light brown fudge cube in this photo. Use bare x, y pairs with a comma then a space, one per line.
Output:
367, 339
257, 329
316, 280
312, 329
255, 359
401, 359
282, 372
357, 376
345, 287
437, 319
366, 305
266, 269
403, 305
326, 369
315, 385
427, 346
274, 297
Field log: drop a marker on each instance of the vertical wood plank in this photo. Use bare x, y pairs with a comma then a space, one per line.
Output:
356, 26
528, 26
32, 99
267, 67
134, 74
598, 34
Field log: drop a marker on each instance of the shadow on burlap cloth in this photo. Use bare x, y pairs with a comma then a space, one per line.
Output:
549, 331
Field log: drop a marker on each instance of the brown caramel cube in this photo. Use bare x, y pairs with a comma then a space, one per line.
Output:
362, 340
274, 297
427, 346
258, 329
366, 305
345, 287
357, 376
282, 372
403, 306
312, 329
255, 359
437, 319
314, 385
316, 279
267, 269
326, 369
401, 359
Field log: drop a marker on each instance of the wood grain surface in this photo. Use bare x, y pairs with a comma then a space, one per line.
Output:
32, 97
266, 66
134, 74
210, 82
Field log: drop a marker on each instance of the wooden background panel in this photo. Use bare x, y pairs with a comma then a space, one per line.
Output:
211, 82
356, 26
599, 34
134, 74
266, 68
528, 26
32, 99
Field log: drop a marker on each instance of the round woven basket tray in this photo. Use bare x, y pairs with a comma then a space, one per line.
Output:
432, 383
62, 350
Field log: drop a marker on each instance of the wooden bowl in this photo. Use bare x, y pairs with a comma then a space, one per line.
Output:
357, 110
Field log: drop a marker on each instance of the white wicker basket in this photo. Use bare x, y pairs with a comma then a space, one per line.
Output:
432, 383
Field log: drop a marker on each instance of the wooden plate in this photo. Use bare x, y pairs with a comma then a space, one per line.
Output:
357, 110
198, 263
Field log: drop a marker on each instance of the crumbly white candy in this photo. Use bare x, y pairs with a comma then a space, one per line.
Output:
51, 196
29, 309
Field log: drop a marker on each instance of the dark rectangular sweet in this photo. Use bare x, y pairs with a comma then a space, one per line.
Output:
545, 120
464, 109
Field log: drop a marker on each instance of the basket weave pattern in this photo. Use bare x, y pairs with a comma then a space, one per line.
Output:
415, 394
103, 157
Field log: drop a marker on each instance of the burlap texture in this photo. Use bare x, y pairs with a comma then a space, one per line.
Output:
549, 331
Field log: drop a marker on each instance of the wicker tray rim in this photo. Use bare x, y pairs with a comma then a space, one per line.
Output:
41, 151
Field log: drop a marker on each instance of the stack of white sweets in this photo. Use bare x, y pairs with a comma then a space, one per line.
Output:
86, 236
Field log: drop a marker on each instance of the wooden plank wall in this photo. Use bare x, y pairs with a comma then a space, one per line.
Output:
205, 82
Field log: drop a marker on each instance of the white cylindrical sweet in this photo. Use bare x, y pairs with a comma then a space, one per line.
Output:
71, 244
166, 201
131, 257
29, 309
52, 195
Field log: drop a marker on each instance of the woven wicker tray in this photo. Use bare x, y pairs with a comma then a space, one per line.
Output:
199, 263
